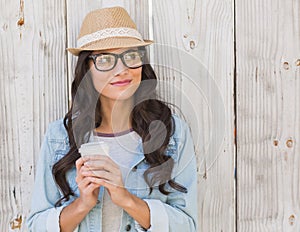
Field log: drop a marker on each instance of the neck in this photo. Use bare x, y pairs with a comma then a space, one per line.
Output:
116, 115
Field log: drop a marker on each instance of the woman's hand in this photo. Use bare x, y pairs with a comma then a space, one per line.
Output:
103, 171
88, 188
74, 213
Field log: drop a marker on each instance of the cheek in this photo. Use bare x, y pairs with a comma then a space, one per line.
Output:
137, 74
100, 81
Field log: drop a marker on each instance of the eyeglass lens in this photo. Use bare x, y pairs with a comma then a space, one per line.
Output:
131, 59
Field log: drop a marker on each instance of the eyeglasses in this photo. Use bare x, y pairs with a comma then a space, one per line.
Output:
107, 61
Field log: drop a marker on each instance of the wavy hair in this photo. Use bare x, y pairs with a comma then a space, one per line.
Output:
84, 116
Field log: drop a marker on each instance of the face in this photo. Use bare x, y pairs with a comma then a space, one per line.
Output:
119, 83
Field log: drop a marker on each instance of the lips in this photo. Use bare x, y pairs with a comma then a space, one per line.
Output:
121, 83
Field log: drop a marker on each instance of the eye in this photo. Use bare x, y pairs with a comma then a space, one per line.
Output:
132, 55
104, 59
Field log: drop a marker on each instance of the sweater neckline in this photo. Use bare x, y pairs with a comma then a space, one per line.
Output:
100, 134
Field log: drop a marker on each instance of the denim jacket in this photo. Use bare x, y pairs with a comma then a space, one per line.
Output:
175, 212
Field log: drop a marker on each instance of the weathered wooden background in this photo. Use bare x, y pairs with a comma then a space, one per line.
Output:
233, 67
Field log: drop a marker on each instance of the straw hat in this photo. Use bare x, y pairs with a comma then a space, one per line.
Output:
108, 28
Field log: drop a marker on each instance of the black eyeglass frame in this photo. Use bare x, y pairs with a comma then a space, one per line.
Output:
121, 56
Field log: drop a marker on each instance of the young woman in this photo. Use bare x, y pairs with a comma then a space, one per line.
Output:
148, 180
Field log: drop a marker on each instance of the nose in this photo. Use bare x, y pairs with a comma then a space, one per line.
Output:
120, 68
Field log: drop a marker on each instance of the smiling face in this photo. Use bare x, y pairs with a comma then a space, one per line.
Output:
120, 83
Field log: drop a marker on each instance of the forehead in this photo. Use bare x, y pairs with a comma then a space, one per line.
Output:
114, 50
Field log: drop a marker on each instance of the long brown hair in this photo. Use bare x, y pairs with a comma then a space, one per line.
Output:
84, 116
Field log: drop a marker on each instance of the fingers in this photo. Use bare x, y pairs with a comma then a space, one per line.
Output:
90, 183
79, 163
97, 182
87, 185
98, 170
84, 182
105, 176
102, 160
79, 169
89, 192
100, 173
101, 166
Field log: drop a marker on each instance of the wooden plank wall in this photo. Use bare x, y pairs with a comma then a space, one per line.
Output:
268, 119
33, 93
224, 63
196, 57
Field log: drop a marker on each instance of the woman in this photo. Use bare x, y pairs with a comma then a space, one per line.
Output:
148, 180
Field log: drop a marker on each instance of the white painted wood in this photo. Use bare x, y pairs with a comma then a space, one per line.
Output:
268, 86
33, 87
196, 40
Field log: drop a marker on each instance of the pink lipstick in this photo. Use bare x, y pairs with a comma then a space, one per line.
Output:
121, 83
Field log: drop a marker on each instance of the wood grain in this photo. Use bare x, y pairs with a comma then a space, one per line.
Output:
194, 55
33, 87
268, 42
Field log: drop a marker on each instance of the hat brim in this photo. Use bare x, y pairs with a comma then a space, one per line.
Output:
110, 43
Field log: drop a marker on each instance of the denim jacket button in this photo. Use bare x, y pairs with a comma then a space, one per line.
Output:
128, 227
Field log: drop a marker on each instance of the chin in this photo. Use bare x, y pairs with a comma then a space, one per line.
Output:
121, 96
124, 96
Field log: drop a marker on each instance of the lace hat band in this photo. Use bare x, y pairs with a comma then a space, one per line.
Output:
107, 33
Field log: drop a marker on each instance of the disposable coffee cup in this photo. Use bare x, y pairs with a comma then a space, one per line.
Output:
94, 148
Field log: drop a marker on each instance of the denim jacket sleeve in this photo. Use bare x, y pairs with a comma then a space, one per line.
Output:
175, 214
44, 216
180, 211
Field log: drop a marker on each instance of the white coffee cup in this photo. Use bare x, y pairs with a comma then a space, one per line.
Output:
94, 148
